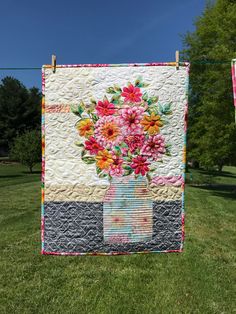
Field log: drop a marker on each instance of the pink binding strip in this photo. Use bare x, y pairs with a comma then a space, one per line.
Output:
234, 80
117, 65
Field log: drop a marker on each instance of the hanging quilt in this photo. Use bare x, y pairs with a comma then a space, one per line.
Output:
113, 158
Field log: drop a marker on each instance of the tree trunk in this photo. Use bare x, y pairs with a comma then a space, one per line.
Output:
220, 166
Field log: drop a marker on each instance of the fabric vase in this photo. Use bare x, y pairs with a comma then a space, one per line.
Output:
127, 211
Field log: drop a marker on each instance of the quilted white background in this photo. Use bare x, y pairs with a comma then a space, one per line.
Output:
69, 86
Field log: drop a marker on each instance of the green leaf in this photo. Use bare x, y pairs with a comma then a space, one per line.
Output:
75, 111
128, 159
98, 170
152, 100
128, 171
115, 99
165, 109
129, 154
152, 170
138, 82
117, 88
88, 160
148, 177
160, 108
153, 109
83, 152
117, 150
145, 96
126, 167
79, 144
124, 145
168, 152
80, 110
105, 98
93, 101
94, 117
144, 85
110, 90
102, 175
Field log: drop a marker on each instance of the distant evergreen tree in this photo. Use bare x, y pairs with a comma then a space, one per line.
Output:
20, 110
212, 131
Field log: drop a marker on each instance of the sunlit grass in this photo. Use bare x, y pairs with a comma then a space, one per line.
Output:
200, 280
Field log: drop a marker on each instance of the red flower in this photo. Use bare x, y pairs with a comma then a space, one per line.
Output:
131, 94
140, 165
134, 141
92, 146
104, 108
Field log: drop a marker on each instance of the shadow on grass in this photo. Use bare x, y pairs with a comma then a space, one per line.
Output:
222, 190
10, 176
216, 173
23, 173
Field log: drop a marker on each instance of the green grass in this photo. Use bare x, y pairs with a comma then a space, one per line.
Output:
200, 280
228, 176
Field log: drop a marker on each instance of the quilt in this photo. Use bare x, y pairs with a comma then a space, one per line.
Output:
113, 145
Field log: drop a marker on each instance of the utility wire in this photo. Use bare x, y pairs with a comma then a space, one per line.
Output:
3, 69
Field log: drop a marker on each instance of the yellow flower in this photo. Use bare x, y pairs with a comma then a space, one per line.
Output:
104, 159
152, 123
85, 127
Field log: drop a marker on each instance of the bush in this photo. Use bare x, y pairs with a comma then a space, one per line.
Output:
26, 149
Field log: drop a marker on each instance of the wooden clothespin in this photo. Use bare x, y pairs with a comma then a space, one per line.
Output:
54, 63
177, 59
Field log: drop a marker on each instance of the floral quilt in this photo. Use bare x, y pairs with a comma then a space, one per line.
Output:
113, 140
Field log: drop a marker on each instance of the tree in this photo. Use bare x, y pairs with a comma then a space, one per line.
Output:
20, 110
212, 132
26, 149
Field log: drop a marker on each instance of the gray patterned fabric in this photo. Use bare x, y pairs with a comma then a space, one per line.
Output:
77, 227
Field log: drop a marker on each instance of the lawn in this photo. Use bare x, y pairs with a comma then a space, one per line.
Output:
200, 280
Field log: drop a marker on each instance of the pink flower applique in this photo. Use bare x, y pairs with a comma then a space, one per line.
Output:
132, 94
140, 165
116, 169
154, 147
92, 146
130, 118
105, 108
134, 141
108, 131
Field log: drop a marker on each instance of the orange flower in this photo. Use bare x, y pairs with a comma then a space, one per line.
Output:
110, 131
152, 123
85, 127
104, 159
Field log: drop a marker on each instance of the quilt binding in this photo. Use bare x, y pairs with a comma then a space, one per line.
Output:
233, 69
187, 65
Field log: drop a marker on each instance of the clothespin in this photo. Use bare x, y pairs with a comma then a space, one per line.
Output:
177, 59
54, 63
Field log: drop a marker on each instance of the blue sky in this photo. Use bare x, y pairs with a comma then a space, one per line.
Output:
91, 31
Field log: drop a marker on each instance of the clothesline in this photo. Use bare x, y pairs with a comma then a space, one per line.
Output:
193, 62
